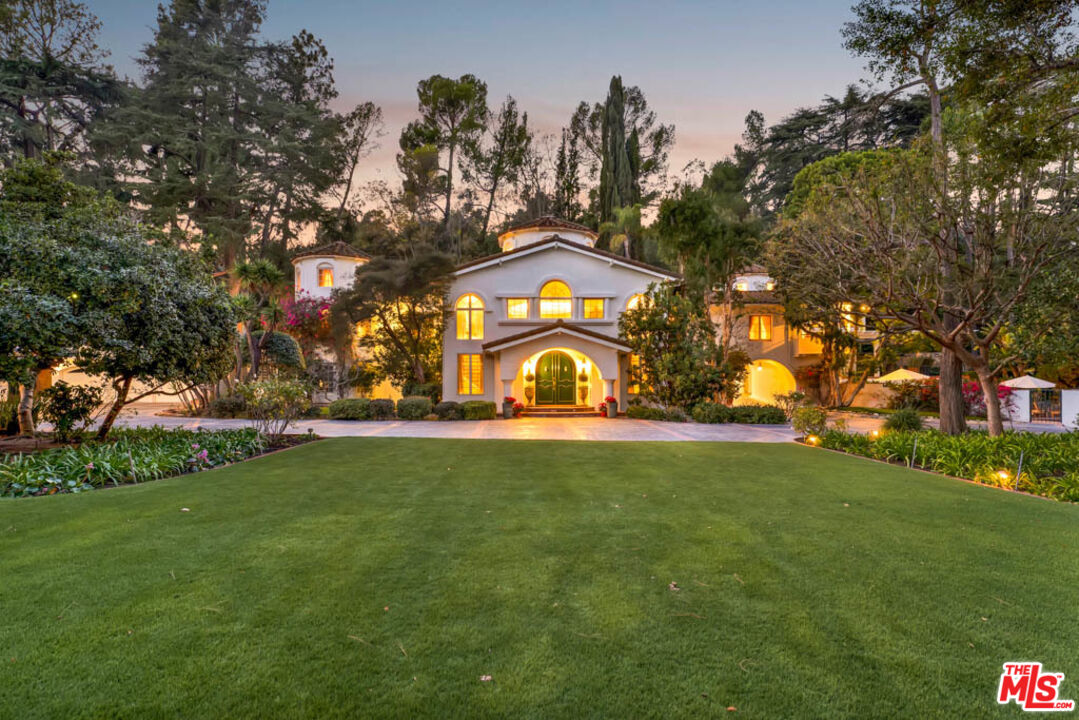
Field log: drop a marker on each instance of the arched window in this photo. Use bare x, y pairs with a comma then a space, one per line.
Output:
469, 317
635, 301
556, 300
325, 276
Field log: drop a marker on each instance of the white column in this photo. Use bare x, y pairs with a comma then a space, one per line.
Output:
507, 390
608, 388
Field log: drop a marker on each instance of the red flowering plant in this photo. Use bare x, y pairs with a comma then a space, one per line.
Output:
510, 400
974, 399
517, 408
610, 399
603, 408
307, 319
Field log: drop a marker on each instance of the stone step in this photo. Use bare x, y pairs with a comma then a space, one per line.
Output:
557, 411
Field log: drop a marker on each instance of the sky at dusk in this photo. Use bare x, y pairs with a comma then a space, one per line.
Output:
701, 65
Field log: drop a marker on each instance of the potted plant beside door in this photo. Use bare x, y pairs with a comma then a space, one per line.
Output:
507, 407
612, 406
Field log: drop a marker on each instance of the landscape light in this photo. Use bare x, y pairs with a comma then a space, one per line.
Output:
1003, 474
812, 439
874, 434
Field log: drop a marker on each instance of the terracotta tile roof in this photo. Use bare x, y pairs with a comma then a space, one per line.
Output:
760, 297
550, 222
551, 239
754, 270
338, 249
557, 324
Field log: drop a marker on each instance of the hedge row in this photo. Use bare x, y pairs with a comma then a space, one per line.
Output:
410, 408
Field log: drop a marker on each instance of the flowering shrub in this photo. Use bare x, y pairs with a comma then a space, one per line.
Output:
307, 319
274, 404
602, 408
510, 400
610, 399
517, 409
131, 456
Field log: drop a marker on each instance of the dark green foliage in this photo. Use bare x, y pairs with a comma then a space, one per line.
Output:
478, 410
66, 406
427, 390
131, 456
1050, 460
414, 407
904, 419
810, 420
681, 363
709, 412
350, 409
281, 350
677, 415
645, 412
449, 410
229, 406
382, 409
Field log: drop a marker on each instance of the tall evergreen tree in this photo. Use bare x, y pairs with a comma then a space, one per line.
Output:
616, 181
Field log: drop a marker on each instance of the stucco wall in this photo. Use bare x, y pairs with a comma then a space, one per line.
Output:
306, 274
523, 276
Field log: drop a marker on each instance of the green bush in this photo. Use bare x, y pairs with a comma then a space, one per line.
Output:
758, 415
676, 415
904, 419
809, 420
414, 407
350, 409
382, 410
131, 455
478, 410
281, 350
66, 406
433, 391
273, 404
448, 410
227, 407
711, 412
645, 412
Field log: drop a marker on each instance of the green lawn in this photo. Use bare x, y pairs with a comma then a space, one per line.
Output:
383, 577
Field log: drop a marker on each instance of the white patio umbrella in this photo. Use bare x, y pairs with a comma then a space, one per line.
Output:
900, 375
1028, 382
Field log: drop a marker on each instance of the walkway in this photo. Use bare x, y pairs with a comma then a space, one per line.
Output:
587, 428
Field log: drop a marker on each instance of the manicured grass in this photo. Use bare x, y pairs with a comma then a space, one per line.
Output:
383, 577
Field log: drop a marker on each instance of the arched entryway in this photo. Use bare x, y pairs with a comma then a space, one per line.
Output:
765, 379
556, 379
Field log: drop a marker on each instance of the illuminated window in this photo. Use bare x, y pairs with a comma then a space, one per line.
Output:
555, 300
635, 302
593, 308
741, 285
851, 321
770, 285
325, 276
469, 317
760, 327
469, 374
517, 308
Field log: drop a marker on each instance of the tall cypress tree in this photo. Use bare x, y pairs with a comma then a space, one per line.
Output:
616, 181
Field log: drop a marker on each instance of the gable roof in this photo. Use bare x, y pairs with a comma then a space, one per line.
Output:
550, 222
558, 327
335, 249
557, 241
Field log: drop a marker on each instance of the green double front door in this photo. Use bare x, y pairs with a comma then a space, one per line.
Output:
556, 379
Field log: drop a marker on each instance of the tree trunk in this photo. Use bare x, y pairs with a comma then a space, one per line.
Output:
122, 388
952, 415
992, 401
26, 408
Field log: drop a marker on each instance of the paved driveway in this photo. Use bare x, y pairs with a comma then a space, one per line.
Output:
586, 428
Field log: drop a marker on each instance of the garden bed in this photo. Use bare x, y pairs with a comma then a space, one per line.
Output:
1046, 464
132, 456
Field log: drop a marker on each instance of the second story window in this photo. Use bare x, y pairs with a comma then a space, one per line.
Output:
325, 276
593, 308
556, 300
517, 308
469, 317
760, 327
